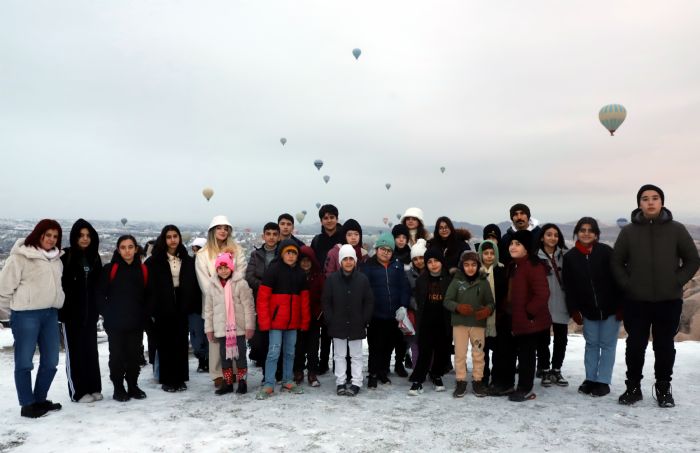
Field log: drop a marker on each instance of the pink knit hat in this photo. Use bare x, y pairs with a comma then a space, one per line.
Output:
224, 259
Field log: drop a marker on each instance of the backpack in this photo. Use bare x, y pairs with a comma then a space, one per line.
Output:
115, 266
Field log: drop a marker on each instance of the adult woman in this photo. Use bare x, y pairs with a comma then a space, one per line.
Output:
551, 253
30, 285
449, 242
594, 300
413, 220
172, 287
82, 267
218, 238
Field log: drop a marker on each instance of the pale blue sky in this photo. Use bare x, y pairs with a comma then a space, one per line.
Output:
130, 108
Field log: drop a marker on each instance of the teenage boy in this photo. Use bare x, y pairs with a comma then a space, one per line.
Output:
286, 228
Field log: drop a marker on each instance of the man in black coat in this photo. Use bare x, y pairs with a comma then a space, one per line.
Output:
348, 304
520, 216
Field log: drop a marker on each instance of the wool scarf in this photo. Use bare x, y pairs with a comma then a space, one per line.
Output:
231, 344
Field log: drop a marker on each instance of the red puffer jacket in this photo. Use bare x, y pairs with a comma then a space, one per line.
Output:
529, 294
283, 298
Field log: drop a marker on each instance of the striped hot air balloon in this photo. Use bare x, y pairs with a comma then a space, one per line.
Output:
611, 117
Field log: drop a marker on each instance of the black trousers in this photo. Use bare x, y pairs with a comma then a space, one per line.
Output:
82, 362
125, 355
306, 348
561, 332
505, 355
381, 338
171, 337
434, 344
526, 347
663, 319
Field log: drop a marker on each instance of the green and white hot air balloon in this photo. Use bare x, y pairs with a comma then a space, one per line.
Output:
612, 116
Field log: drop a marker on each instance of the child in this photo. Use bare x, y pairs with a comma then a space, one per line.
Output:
470, 301
495, 274
415, 269
352, 233
229, 320
122, 299
402, 251
348, 304
307, 342
283, 308
432, 324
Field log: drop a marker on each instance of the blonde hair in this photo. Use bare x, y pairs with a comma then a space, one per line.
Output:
213, 248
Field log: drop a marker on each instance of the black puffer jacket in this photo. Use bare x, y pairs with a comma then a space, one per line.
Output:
81, 277
122, 299
589, 285
348, 304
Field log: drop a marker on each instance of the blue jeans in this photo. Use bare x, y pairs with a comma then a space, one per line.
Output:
601, 342
29, 328
284, 340
198, 339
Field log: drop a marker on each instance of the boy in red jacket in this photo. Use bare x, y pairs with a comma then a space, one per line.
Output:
283, 308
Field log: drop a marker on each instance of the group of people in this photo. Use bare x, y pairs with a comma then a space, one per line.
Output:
419, 296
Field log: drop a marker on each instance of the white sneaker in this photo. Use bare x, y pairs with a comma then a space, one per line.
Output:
416, 389
87, 398
98, 396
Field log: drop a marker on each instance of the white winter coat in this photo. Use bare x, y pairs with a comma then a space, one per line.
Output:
30, 280
214, 312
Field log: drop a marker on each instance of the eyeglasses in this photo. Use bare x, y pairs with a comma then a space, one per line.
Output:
385, 250
443, 228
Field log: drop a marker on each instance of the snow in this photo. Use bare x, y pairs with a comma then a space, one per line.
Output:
385, 420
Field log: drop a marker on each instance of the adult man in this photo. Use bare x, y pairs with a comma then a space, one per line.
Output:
654, 256
520, 216
286, 224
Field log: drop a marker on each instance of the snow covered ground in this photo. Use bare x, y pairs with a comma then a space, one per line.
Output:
384, 420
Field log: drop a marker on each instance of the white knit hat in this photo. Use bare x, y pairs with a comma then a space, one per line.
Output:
419, 248
346, 251
413, 212
199, 242
219, 220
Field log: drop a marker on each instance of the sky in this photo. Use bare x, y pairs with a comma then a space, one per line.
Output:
131, 108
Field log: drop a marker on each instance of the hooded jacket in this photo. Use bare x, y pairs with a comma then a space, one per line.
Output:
214, 312
30, 280
528, 296
476, 293
348, 304
81, 277
122, 299
654, 258
389, 286
332, 262
533, 226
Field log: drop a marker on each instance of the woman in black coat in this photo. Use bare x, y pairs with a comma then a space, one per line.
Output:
172, 292
82, 267
451, 243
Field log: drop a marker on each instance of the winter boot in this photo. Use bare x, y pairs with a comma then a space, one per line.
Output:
49, 405
353, 390
242, 375
227, 385
372, 382
520, 396
33, 411
460, 389
632, 394
384, 379
341, 390
135, 392
479, 388
546, 379
557, 379
586, 387
600, 389
120, 393
663, 395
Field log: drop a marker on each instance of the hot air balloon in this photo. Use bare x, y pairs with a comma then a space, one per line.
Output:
442, 169
283, 141
326, 178
300, 216
611, 116
398, 216
388, 186
318, 163
318, 205
208, 192
356, 53
621, 222
304, 212
385, 220
124, 221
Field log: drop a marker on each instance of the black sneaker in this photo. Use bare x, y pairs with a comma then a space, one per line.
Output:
224, 389
416, 389
407, 361
479, 388
384, 379
460, 389
400, 370
352, 391
136, 393
600, 389
169, 388
499, 390
33, 411
546, 379
557, 379
520, 396
632, 394
203, 366
242, 388
120, 394
663, 395
586, 387
341, 390
438, 384
49, 405
181, 387
372, 382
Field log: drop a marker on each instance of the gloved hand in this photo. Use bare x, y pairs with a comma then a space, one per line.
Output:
482, 313
465, 309
620, 314
578, 319
401, 314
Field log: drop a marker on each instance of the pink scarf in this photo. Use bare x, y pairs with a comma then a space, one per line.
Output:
231, 345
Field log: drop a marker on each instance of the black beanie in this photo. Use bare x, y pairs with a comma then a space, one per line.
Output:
435, 254
398, 229
493, 230
646, 187
524, 237
352, 225
327, 209
519, 207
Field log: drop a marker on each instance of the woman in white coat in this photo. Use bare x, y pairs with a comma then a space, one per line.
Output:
219, 238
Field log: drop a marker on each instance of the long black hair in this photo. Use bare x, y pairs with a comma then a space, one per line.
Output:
160, 249
548, 226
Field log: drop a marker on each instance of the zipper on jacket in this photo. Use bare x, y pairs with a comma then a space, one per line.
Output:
590, 278
291, 299
274, 313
